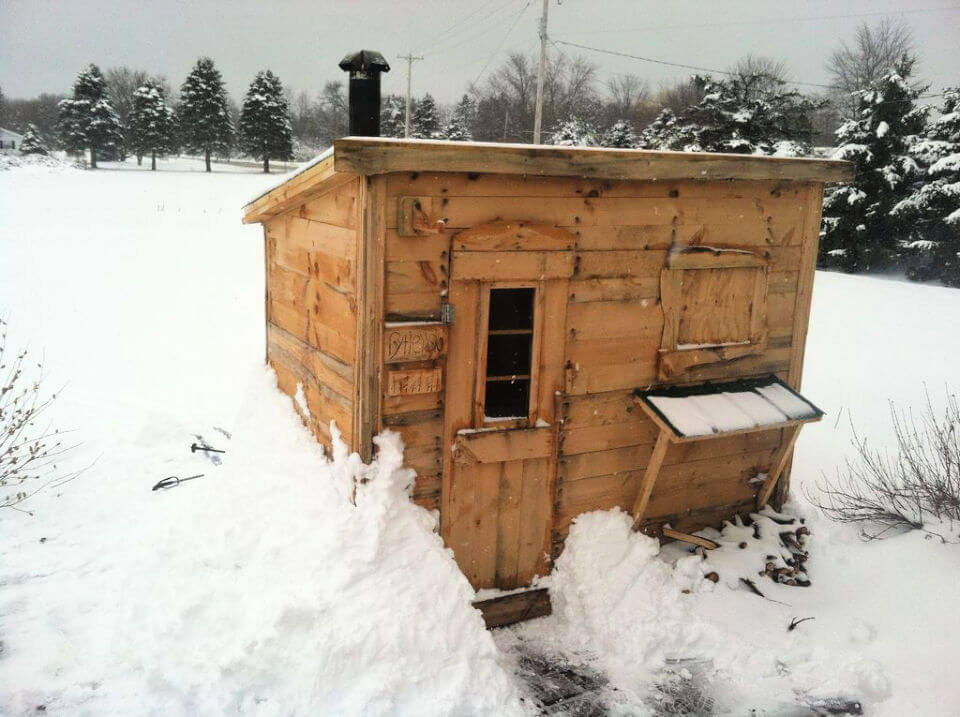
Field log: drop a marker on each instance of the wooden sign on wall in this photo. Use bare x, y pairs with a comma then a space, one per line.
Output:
409, 382
416, 342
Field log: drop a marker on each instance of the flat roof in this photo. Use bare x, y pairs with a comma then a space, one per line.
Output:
354, 156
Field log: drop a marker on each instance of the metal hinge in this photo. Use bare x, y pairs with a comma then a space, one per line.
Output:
446, 313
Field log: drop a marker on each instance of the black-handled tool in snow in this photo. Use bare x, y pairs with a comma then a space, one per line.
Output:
194, 447
174, 481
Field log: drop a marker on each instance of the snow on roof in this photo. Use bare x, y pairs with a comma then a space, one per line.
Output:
721, 408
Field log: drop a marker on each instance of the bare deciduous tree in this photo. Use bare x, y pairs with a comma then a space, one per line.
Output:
766, 73
874, 52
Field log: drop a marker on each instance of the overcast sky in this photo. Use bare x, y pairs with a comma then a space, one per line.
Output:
44, 43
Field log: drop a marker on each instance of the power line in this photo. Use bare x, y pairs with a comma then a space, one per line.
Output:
769, 21
496, 52
472, 28
440, 38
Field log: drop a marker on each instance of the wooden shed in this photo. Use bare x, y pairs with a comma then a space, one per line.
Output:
551, 329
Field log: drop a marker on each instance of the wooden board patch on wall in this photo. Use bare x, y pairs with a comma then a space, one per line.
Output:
416, 342
409, 382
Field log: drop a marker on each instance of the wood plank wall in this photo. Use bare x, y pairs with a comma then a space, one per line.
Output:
614, 322
311, 256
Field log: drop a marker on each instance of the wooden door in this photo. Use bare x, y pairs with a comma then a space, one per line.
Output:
508, 291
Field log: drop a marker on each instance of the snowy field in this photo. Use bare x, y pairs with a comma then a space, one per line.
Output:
261, 589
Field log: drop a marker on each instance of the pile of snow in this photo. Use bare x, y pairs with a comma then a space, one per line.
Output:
28, 162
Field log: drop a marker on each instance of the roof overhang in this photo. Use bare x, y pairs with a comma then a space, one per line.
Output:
353, 156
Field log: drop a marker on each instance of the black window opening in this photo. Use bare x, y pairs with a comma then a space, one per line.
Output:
509, 354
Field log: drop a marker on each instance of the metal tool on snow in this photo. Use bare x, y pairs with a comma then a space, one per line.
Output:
194, 447
174, 481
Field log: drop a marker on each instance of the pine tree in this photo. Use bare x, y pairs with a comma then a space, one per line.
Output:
152, 123
87, 121
391, 117
575, 132
932, 209
426, 119
859, 232
265, 130
203, 114
32, 144
461, 121
621, 134
745, 114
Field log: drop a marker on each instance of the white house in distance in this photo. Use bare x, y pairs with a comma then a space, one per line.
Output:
9, 141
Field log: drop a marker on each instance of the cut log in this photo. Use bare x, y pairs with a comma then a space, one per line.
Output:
704, 543
517, 607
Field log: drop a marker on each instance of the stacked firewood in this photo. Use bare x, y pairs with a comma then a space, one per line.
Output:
793, 571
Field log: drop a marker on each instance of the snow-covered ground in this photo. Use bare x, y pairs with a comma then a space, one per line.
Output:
281, 584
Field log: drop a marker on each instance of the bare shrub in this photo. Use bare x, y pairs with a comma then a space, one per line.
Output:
911, 490
28, 451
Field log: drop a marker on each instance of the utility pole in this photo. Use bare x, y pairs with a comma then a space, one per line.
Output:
541, 71
406, 113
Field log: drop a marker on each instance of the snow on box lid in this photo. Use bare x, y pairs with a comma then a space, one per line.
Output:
710, 409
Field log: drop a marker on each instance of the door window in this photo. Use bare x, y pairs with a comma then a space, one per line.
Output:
509, 364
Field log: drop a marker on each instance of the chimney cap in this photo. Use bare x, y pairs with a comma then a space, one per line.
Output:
364, 61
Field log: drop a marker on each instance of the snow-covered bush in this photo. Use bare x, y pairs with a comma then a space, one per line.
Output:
575, 132
265, 130
916, 489
620, 134
32, 144
28, 452
859, 232
931, 212
746, 114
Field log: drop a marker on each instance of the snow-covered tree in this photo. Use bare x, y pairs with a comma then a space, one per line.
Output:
152, 123
859, 233
932, 210
203, 113
87, 121
265, 130
391, 116
575, 132
426, 119
32, 144
744, 114
621, 134
461, 121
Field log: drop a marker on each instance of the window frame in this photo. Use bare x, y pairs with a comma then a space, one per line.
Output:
480, 377
674, 360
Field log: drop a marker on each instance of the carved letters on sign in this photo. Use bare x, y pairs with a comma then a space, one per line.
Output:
408, 382
414, 343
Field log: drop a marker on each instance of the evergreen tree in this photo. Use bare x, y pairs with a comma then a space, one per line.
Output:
203, 113
426, 119
265, 130
575, 132
87, 121
621, 134
458, 128
932, 209
391, 117
745, 114
152, 123
32, 144
859, 232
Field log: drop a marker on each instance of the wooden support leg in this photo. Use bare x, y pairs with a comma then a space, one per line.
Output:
650, 477
776, 468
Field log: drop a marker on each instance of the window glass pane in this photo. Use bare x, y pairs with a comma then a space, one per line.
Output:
507, 399
508, 355
511, 309
509, 346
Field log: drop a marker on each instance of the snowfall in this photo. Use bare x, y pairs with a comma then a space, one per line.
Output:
262, 588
